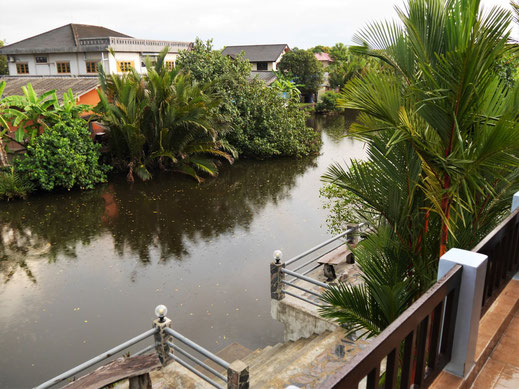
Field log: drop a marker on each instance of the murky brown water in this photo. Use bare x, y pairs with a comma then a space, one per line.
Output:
82, 271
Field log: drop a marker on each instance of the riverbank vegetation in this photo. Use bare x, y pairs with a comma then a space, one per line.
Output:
440, 124
189, 119
164, 120
58, 152
263, 123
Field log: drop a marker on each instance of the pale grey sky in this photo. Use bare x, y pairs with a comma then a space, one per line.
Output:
301, 23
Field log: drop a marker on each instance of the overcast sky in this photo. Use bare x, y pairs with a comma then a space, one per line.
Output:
301, 23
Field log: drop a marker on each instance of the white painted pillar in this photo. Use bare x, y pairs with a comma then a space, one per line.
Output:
469, 306
515, 202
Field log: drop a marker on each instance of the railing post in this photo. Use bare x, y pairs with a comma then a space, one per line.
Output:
238, 375
161, 337
515, 202
353, 237
469, 306
276, 276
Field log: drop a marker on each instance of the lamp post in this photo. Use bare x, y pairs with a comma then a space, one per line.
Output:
161, 337
276, 276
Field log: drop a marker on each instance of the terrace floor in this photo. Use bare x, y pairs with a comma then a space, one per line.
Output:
497, 348
501, 370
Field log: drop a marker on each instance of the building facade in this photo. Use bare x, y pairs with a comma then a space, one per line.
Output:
261, 57
78, 49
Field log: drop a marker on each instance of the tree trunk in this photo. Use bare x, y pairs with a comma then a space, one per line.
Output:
3, 154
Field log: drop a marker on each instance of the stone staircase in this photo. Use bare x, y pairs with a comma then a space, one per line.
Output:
304, 363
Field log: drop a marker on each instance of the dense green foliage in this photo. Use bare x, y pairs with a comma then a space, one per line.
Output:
506, 68
263, 123
443, 149
59, 150
341, 205
3, 61
286, 88
303, 68
328, 103
13, 185
163, 119
32, 114
64, 157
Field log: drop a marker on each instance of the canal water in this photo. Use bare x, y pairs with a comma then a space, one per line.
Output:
80, 272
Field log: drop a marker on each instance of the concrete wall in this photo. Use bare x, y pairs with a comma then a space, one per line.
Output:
299, 322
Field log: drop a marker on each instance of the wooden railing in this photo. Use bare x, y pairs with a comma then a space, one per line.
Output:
502, 248
414, 348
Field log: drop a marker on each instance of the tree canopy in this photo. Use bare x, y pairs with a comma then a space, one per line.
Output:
303, 68
3, 61
263, 123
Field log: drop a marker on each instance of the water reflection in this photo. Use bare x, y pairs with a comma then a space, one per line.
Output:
334, 125
166, 213
82, 271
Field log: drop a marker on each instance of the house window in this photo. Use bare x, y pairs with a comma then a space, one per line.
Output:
41, 59
170, 65
63, 67
22, 68
91, 67
262, 66
124, 66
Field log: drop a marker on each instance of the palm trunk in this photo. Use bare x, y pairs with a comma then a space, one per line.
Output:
446, 211
3, 155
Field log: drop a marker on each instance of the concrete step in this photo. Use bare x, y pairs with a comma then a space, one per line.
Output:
265, 356
281, 348
263, 373
247, 360
256, 354
230, 353
316, 362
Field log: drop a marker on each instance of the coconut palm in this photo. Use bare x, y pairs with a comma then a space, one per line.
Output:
441, 129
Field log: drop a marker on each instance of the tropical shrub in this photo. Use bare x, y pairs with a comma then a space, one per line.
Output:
13, 185
64, 156
32, 114
164, 119
443, 142
328, 103
262, 123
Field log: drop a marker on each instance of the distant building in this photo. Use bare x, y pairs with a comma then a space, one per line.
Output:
77, 49
265, 76
324, 58
83, 88
261, 57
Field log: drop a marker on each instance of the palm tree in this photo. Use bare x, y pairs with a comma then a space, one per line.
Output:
442, 134
445, 100
163, 118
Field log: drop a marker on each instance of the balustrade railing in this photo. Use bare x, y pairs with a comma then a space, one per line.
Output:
101, 357
236, 373
502, 248
412, 347
278, 269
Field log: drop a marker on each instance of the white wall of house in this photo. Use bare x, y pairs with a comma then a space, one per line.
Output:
270, 66
78, 62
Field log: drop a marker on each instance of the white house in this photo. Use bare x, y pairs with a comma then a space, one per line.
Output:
77, 49
261, 57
